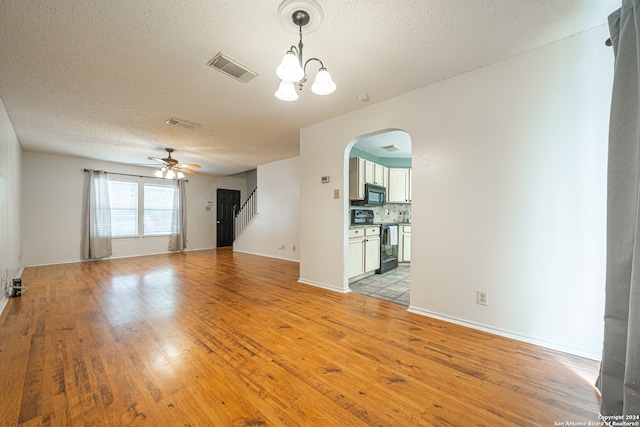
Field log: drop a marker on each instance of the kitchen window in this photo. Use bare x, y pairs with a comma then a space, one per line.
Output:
130, 198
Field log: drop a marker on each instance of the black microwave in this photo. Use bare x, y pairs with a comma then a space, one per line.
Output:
374, 195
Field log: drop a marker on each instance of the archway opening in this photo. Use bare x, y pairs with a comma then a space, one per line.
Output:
378, 239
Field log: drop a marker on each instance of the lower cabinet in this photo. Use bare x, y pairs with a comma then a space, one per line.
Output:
356, 256
404, 244
372, 253
364, 250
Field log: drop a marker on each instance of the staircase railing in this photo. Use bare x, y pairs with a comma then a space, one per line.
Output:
246, 213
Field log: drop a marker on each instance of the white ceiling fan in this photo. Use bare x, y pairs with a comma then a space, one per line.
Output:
172, 169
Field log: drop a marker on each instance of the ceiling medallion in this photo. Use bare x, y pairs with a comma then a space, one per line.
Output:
310, 7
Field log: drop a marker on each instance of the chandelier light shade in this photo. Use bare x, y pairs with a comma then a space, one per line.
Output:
287, 91
323, 84
290, 69
293, 69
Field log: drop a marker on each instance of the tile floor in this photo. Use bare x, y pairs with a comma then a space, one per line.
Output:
391, 286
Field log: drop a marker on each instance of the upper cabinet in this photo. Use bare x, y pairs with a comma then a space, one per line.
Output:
375, 173
363, 172
356, 178
399, 185
397, 181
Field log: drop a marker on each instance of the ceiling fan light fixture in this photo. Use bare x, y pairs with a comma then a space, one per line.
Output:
172, 168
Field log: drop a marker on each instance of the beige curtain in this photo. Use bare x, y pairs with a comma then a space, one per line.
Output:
619, 380
96, 230
178, 235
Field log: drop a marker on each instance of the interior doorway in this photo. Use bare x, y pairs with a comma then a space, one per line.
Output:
228, 203
382, 159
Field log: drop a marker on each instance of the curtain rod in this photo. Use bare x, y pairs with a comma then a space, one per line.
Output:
128, 174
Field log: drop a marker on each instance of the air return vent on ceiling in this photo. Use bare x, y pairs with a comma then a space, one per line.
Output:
232, 67
183, 123
391, 147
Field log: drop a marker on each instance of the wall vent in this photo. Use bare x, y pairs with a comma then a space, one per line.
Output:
232, 68
183, 123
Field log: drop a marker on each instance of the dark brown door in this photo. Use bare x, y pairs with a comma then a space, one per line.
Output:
228, 205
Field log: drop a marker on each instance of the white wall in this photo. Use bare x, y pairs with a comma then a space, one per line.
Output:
509, 193
52, 197
10, 220
277, 223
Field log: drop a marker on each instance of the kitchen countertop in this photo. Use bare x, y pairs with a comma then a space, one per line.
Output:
376, 224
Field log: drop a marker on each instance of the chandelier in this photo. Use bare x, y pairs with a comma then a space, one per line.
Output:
293, 69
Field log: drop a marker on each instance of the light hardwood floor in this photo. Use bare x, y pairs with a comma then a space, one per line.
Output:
216, 338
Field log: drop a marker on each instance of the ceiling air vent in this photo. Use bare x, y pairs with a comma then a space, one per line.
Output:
232, 67
183, 123
391, 147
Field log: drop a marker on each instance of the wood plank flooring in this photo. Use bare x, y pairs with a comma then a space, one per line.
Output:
216, 338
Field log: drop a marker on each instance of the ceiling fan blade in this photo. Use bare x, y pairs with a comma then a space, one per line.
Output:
158, 160
185, 171
190, 165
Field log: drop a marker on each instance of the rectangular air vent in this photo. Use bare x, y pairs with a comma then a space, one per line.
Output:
179, 122
232, 67
391, 147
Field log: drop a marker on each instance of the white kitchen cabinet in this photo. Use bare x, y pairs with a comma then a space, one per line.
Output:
356, 257
375, 174
372, 250
364, 250
356, 178
363, 172
404, 244
399, 185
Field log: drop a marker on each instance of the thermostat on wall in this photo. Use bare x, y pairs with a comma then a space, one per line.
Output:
324, 179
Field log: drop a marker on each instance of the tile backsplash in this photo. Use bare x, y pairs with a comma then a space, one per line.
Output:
392, 212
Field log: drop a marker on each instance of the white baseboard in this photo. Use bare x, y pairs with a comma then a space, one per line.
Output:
3, 303
324, 286
60, 262
504, 333
266, 255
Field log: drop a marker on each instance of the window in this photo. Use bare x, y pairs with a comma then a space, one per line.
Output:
123, 198
127, 198
158, 208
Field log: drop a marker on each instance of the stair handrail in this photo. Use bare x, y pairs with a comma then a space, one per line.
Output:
245, 214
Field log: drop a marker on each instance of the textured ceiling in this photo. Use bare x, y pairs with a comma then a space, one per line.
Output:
98, 79
374, 144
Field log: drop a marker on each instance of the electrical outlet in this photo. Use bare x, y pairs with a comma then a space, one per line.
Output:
482, 297
281, 247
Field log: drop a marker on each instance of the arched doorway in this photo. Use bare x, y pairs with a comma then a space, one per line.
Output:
379, 160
